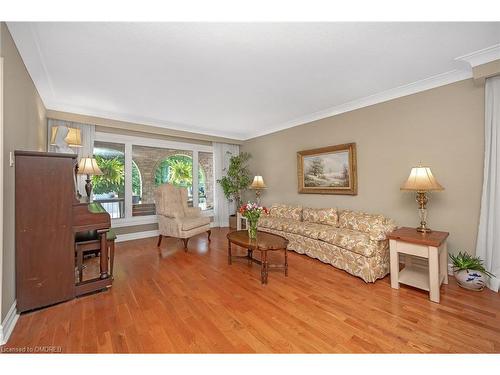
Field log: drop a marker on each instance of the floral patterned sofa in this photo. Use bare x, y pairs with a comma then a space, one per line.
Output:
353, 241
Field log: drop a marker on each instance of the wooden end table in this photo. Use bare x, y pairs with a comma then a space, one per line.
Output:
431, 246
264, 242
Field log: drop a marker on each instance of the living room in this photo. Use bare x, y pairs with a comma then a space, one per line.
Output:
250, 187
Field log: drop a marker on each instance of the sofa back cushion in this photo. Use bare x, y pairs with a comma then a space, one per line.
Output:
327, 216
283, 211
360, 221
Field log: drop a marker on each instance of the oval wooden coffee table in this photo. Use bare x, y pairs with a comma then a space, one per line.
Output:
264, 242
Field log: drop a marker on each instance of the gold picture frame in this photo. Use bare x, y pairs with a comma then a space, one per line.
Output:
328, 170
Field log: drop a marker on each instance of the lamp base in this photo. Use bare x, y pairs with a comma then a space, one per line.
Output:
422, 212
257, 196
423, 229
88, 188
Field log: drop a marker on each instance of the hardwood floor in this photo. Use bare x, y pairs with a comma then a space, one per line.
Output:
195, 302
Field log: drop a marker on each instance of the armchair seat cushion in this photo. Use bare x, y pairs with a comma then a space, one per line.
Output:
189, 223
357, 242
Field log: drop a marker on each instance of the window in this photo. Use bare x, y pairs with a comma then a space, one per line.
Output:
109, 188
177, 170
157, 166
135, 166
206, 180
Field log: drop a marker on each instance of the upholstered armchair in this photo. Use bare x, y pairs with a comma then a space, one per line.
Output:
175, 218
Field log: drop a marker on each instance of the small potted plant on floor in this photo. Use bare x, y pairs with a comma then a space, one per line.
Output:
469, 271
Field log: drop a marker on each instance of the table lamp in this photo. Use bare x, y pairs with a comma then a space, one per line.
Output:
73, 138
258, 185
422, 180
89, 167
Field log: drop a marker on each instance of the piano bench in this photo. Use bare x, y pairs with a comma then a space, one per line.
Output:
88, 242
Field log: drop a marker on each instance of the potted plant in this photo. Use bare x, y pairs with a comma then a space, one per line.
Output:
236, 180
469, 271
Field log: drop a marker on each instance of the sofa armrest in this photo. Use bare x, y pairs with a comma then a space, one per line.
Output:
379, 232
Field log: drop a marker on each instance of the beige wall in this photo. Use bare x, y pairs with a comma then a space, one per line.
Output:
24, 128
442, 128
481, 72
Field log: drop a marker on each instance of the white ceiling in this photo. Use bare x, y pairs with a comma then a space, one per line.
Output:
238, 80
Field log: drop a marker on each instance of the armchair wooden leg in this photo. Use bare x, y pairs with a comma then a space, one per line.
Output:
209, 232
159, 240
185, 240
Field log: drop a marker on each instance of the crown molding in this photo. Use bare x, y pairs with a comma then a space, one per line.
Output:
482, 56
397, 92
61, 111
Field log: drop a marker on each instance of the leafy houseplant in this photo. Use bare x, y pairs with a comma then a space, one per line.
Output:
469, 271
237, 177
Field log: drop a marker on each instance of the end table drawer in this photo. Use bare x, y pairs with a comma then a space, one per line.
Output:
412, 249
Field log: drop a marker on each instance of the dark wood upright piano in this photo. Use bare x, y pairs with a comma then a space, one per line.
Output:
48, 215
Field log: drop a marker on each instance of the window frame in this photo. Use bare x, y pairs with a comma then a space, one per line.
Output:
128, 141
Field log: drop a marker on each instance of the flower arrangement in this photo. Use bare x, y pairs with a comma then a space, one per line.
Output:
252, 212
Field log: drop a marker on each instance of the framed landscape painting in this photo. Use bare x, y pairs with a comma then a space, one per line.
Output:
328, 170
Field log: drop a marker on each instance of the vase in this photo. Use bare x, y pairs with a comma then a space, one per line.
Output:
470, 279
252, 229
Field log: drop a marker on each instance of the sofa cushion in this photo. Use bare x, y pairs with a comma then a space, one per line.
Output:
268, 221
275, 223
357, 242
327, 216
284, 211
310, 230
189, 223
377, 226
359, 221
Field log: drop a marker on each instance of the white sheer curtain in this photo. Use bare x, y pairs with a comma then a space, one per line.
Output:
488, 237
87, 149
222, 207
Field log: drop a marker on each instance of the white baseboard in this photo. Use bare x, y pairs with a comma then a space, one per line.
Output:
136, 235
450, 269
8, 324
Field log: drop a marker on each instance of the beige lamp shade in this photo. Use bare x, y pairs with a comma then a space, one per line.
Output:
258, 183
88, 166
73, 139
421, 179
